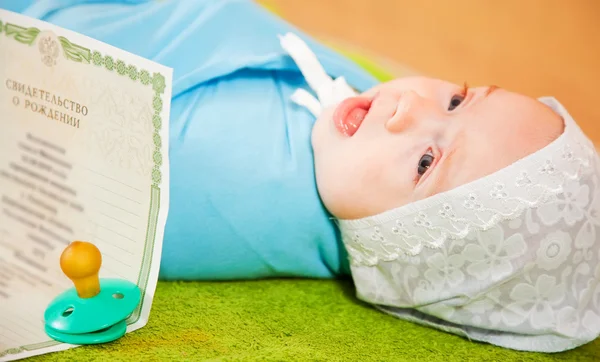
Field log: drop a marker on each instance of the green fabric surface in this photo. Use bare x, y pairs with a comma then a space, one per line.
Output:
287, 320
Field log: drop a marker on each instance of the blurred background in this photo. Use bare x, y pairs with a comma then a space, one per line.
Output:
535, 47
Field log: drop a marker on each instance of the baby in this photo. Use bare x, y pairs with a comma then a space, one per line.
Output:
472, 210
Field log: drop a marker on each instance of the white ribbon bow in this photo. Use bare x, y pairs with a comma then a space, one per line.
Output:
329, 91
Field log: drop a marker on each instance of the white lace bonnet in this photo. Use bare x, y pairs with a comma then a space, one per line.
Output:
511, 259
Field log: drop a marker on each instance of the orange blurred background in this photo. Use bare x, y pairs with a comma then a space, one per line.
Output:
536, 47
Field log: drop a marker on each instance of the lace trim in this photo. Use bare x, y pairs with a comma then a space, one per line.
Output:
505, 195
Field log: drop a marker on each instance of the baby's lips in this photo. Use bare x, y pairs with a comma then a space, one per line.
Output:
350, 113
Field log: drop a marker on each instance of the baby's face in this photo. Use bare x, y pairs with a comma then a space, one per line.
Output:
411, 138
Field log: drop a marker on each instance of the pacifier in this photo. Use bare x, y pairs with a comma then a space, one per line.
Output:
95, 310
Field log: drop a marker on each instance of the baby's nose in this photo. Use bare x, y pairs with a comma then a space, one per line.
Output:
408, 103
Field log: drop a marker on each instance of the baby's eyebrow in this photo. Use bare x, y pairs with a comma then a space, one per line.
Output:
489, 90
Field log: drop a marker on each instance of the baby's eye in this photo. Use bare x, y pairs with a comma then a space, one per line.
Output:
424, 163
455, 101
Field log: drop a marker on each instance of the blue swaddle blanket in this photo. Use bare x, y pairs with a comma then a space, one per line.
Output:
244, 203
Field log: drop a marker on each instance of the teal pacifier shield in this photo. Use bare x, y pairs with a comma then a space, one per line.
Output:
104, 336
70, 314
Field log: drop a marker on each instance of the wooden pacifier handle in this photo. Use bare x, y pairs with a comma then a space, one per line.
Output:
81, 261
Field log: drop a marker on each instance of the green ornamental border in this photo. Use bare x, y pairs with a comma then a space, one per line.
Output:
80, 54
84, 55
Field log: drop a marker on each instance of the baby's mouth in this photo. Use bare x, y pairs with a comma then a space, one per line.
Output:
349, 114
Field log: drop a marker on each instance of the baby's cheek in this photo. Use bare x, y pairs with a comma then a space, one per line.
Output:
332, 191
321, 132
339, 184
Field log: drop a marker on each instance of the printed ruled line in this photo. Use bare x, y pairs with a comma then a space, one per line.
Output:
15, 333
19, 322
115, 245
112, 272
5, 337
118, 261
110, 178
117, 220
117, 233
113, 231
115, 193
117, 207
